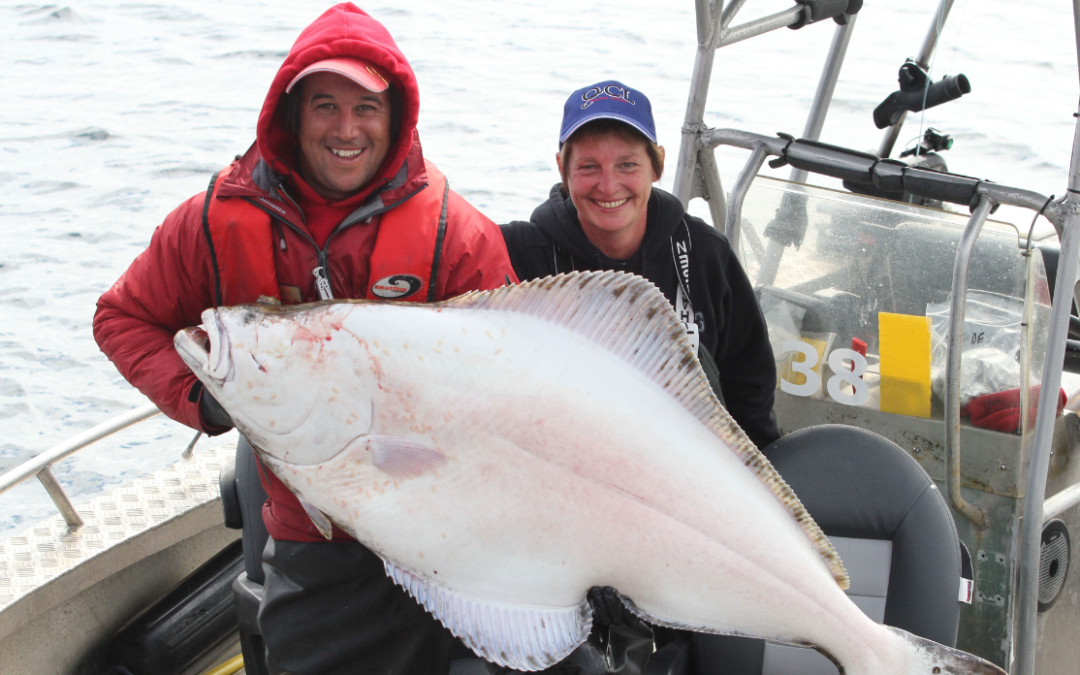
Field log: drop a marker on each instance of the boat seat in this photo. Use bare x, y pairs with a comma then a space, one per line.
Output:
242, 499
892, 528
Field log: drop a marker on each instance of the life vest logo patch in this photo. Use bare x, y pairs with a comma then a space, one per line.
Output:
396, 286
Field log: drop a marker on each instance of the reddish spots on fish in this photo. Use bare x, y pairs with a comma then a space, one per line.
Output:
448, 415
272, 423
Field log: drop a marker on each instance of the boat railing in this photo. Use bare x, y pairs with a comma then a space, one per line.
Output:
41, 465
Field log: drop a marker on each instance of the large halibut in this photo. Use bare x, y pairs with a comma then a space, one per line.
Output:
505, 451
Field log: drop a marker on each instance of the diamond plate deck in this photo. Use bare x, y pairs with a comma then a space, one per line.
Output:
35, 562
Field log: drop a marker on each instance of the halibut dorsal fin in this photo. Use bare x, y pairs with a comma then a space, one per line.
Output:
523, 638
628, 316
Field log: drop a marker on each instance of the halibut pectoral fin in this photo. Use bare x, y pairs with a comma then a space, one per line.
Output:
522, 637
402, 458
322, 523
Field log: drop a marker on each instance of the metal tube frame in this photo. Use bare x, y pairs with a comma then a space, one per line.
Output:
732, 225
708, 28
713, 19
40, 465
925, 54
964, 248
1035, 488
1061, 502
765, 24
715, 190
815, 121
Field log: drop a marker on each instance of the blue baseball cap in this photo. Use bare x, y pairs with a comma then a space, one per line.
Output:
607, 100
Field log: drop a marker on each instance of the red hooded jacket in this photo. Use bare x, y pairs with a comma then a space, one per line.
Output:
168, 285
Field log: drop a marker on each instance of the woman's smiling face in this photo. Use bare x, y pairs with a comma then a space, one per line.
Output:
610, 179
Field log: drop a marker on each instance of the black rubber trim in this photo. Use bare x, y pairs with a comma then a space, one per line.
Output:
210, 240
439, 237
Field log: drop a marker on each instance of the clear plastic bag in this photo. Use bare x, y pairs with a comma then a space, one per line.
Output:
991, 344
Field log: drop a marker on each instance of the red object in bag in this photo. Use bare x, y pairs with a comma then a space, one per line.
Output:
1001, 411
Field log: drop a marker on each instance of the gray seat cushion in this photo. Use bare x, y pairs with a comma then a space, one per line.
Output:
859, 485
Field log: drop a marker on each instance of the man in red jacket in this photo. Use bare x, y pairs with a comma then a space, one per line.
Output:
333, 200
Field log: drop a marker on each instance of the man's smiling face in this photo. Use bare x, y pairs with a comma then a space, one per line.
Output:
344, 134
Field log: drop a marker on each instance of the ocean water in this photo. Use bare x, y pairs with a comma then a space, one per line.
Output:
114, 112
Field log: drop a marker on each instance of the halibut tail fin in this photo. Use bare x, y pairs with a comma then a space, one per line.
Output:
926, 657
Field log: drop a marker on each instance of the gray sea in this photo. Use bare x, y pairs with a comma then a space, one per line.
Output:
113, 112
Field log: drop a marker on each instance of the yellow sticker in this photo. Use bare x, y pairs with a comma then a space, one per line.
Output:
905, 364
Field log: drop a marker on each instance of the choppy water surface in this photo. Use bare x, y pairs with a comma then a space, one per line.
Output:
114, 112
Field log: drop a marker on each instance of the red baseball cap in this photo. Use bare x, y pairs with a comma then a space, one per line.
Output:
364, 73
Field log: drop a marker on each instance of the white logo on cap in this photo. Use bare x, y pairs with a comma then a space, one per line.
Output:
610, 91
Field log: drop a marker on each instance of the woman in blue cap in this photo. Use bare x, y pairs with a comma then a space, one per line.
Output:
606, 214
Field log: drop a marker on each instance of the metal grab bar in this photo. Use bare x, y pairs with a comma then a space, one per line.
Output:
964, 248
842, 163
40, 465
1061, 502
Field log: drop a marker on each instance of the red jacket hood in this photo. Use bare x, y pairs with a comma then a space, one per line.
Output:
342, 30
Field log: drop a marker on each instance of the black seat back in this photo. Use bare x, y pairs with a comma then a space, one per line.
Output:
242, 499
859, 485
251, 496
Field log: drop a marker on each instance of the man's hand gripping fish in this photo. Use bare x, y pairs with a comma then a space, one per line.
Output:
505, 451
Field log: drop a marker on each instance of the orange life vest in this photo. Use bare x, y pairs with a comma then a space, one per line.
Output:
403, 265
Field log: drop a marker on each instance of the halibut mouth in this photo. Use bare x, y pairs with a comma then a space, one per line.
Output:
206, 348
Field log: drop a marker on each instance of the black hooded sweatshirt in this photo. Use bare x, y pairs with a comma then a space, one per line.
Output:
731, 326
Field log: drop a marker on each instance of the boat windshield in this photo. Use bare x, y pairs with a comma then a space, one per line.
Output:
858, 306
